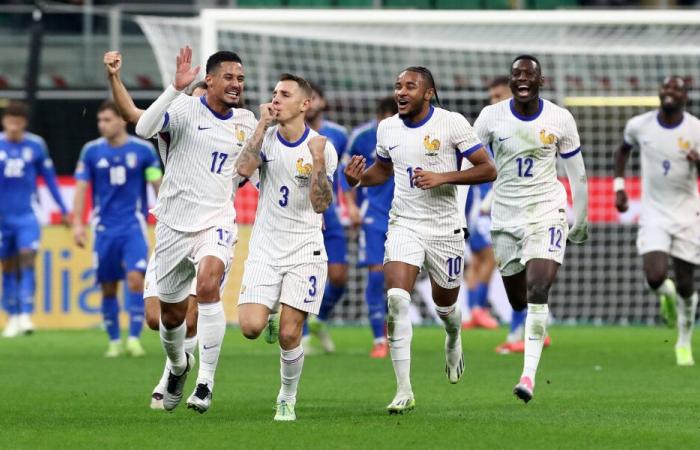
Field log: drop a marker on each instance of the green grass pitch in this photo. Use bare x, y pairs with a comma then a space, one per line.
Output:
597, 388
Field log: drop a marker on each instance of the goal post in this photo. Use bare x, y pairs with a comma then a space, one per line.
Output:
605, 66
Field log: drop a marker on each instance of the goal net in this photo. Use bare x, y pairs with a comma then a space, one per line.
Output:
604, 66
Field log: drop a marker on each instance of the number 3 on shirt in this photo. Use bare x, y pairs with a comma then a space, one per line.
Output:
284, 190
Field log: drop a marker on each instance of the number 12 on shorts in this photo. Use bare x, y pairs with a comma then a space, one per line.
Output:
555, 236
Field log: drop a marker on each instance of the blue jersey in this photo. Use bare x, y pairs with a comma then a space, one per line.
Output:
118, 178
338, 136
375, 200
20, 164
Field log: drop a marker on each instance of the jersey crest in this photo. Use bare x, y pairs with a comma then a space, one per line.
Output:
303, 174
131, 160
27, 154
547, 139
240, 136
684, 145
431, 147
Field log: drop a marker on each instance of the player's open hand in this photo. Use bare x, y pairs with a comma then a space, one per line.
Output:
621, 202
113, 63
317, 145
578, 234
353, 171
424, 179
79, 235
184, 73
267, 114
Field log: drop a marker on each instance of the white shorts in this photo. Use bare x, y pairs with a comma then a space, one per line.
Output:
177, 254
442, 258
516, 246
150, 285
300, 286
683, 244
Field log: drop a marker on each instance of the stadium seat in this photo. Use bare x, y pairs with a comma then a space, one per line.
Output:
423, 4
552, 4
458, 4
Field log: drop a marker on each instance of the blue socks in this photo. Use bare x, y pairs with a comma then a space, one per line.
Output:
376, 305
10, 299
331, 295
517, 319
27, 288
478, 297
134, 302
110, 313
305, 329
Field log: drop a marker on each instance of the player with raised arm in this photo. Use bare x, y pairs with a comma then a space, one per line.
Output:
118, 167
667, 139
373, 217
418, 147
333, 232
23, 157
287, 263
529, 229
113, 62
196, 227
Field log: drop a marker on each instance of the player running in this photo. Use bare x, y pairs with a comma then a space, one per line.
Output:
669, 224
196, 219
373, 217
23, 157
118, 167
287, 262
418, 147
529, 230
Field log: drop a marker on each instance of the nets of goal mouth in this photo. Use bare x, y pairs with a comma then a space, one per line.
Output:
604, 67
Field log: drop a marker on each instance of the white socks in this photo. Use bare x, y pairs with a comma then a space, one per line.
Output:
211, 327
173, 342
291, 363
190, 344
400, 334
451, 316
686, 319
666, 288
535, 332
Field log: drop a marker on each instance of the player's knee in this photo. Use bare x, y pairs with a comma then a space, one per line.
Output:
338, 276
152, 313
152, 321
655, 277
290, 336
134, 281
537, 291
109, 289
251, 327
208, 288
171, 319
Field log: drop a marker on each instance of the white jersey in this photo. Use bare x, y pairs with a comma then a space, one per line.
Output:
287, 230
525, 151
669, 181
199, 150
436, 144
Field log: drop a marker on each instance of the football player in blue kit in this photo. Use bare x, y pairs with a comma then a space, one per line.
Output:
118, 166
23, 157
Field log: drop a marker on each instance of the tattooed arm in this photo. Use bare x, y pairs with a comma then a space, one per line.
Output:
321, 192
249, 159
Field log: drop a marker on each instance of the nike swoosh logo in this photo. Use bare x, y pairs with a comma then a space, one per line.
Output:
200, 128
533, 339
450, 280
391, 148
504, 139
210, 347
308, 301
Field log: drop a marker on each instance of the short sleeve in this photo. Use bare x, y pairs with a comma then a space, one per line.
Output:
464, 139
569, 142
630, 133
382, 150
481, 127
83, 171
331, 160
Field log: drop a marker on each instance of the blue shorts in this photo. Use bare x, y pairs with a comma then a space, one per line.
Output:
372, 240
117, 254
18, 233
334, 237
480, 234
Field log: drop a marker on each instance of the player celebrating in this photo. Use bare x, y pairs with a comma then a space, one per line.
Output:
195, 212
118, 166
425, 222
23, 156
529, 230
668, 140
287, 262
375, 203
333, 232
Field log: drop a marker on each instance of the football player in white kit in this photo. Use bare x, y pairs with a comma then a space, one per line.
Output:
529, 228
287, 261
196, 219
667, 139
423, 146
